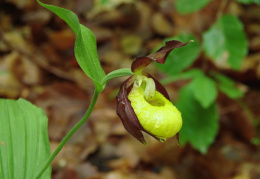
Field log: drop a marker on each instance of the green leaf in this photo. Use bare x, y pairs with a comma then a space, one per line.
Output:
226, 41
24, 144
69, 17
200, 125
231, 91
204, 90
104, 1
189, 6
86, 55
191, 74
117, 73
227, 86
249, 1
85, 45
222, 78
180, 58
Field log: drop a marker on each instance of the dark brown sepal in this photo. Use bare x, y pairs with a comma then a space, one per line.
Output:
140, 63
126, 112
160, 56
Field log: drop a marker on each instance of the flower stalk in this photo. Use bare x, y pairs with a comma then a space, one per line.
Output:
71, 132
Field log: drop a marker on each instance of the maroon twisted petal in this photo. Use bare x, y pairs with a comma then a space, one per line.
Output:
159, 56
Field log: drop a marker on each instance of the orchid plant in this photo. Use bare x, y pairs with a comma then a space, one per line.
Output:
143, 105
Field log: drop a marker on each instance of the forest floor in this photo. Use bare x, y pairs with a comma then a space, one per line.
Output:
37, 63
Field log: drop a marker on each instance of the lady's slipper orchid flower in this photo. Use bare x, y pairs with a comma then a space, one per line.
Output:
143, 104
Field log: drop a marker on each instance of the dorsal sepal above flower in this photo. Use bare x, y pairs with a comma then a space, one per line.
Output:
160, 56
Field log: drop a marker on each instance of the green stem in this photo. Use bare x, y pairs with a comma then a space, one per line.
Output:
71, 132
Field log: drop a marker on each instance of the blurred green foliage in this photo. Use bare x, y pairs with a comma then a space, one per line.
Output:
104, 1
200, 125
227, 86
189, 6
249, 1
225, 43
204, 90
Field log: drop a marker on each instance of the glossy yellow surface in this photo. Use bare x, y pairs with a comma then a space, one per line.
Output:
157, 115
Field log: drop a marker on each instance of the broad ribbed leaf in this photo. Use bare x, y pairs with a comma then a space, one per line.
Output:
226, 41
24, 144
85, 45
200, 125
